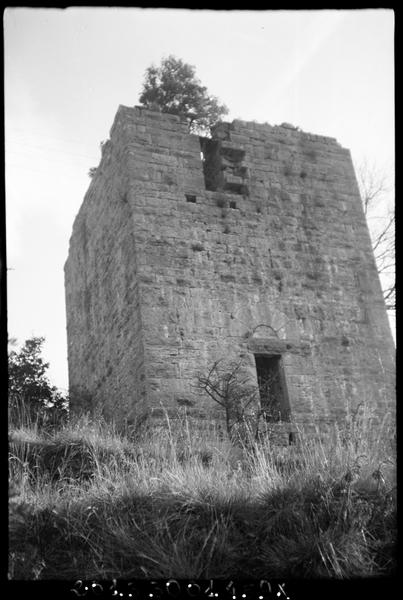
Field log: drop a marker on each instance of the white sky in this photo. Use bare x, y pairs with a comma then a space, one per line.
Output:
329, 72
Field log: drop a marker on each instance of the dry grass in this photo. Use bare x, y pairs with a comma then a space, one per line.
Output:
180, 502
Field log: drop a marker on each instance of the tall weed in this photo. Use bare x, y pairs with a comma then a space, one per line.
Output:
181, 501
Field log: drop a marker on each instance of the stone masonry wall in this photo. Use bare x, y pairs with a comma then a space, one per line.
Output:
259, 249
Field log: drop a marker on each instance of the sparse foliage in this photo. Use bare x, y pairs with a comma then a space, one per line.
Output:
229, 386
174, 88
374, 188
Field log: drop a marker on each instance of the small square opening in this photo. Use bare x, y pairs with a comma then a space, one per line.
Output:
272, 387
190, 198
232, 204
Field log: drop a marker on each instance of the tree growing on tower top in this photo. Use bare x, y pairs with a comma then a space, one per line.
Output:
174, 88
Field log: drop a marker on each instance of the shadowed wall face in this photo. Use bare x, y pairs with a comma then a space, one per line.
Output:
249, 246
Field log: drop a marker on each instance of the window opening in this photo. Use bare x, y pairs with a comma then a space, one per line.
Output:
190, 198
272, 388
213, 174
232, 204
223, 167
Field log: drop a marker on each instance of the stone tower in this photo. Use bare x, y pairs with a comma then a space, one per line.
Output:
250, 245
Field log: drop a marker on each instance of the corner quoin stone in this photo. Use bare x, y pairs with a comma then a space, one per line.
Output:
259, 246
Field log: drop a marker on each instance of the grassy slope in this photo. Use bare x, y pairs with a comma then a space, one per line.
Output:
88, 502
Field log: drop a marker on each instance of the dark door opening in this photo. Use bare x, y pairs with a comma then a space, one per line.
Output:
272, 388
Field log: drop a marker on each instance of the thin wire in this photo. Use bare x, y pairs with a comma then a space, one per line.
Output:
16, 166
46, 149
37, 133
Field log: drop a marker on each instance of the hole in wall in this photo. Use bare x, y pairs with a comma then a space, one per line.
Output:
292, 438
190, 198
185, 402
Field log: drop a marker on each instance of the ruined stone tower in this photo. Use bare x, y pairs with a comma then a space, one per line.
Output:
251, 245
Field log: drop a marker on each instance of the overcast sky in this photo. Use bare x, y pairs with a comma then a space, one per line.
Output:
67, 71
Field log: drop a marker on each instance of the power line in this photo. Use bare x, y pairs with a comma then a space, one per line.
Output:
46, 149
40, 134
23, 168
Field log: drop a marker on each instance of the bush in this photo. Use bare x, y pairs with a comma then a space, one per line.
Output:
32, 400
